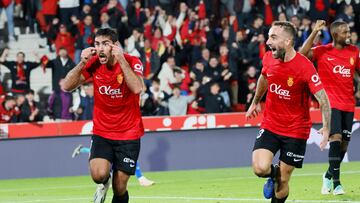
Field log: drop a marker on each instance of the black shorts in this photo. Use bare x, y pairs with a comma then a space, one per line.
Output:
292, 150
122, 154
341, 123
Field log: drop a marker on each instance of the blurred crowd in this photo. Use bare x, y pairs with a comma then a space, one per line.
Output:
199, 56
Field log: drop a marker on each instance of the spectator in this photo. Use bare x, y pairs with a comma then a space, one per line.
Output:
84, 35
20, 71
68, 8
137, 16
86, 108
166, 75
150, 59
355, 39
59, 104
29, 110
158, 97
60, 66
319, 9
8, 6
64, 39
347, 16
104, 20
251, 80
213, 102
178, 103
7, 108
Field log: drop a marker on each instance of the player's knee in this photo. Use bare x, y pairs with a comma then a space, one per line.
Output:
100, 176
335, 137
261, 170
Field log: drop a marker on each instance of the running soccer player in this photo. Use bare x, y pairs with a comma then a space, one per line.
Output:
118, 126
289, 78
143, 181
336, 64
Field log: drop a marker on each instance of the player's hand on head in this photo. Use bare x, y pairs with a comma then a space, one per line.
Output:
253, 111
87, 53
116, 51
319, 25
325, 132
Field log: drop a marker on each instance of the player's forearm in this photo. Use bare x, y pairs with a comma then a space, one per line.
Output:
260, 89
308, 43
325, 108
132, 80
73, 78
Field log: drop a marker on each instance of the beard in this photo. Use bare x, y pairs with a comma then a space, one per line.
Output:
279, 54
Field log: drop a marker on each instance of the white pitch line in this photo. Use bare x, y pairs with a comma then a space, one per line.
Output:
166, 182
188, 199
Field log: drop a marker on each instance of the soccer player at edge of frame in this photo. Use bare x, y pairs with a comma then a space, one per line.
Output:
289, 78
118, 126
336, 64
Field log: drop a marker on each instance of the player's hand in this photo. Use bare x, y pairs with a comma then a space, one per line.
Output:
319, 25
87, 53
253, 111
325, 133
117, 52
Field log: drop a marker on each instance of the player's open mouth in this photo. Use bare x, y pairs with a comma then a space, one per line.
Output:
272, 49
102, 57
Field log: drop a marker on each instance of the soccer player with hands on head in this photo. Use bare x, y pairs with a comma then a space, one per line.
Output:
118, 126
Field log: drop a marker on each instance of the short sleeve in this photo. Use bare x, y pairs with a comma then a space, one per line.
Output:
358, 61
265, 63
312, 78
87, 71
317, 51
135, 64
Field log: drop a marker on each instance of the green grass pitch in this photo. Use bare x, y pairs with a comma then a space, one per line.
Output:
197, 186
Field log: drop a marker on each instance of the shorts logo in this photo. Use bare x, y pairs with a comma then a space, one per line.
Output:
296, 157
130, 162
260, 133
290, 81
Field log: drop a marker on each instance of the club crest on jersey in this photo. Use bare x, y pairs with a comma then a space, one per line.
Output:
290, 81
120, 78
352, 61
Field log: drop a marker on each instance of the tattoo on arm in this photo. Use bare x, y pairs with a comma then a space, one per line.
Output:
323, 100
261, 88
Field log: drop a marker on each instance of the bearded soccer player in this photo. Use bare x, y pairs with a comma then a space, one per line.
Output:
117, 120
336, 64
289, 78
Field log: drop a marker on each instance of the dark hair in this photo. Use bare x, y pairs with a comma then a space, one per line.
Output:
30, 91
108, 32
20, 52
9, 97
288, 27
62, 48
176, 70
176, 87
335, 25
157, 80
